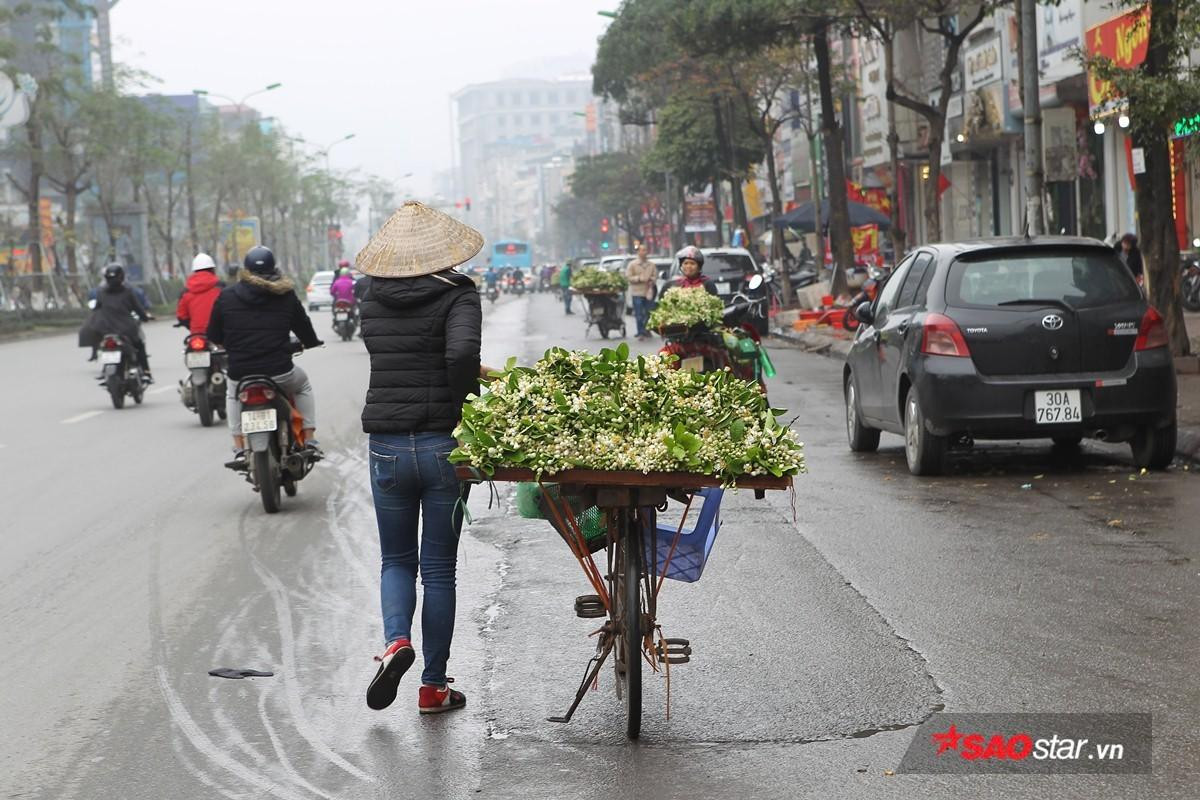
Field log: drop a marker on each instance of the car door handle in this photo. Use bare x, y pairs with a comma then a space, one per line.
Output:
903, 328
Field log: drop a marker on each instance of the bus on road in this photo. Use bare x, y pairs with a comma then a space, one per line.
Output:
512, 253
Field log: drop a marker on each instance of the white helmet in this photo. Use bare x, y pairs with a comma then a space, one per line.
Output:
203, 261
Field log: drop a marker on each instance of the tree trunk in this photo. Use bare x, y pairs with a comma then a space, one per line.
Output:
777, 245
33, 130
1155, 208
933, 202
898, 235
718, 212
815, 184
831, 130
193, 234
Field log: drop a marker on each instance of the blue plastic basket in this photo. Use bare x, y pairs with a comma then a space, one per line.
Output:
691, 554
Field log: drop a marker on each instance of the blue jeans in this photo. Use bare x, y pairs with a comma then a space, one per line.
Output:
566, 296
641, 313
410, 478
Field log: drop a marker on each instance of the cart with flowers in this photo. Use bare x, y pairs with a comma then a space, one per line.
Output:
603, 296
598, 444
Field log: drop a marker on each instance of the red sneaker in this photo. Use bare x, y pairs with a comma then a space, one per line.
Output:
436, 699
394, 662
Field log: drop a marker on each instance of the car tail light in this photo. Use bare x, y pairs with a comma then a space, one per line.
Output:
110, 343
942, 337
198, 343
256, 395
1152, 332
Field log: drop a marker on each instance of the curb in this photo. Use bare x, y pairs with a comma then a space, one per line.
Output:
1187, 444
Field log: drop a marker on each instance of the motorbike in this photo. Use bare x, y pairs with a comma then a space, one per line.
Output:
345, 322
1189, 284
276, 455
737, 346
516, 283
204, 390
876, 276
120, 373
493, 293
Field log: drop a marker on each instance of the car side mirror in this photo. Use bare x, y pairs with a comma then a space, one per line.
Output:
864, 313
755, 282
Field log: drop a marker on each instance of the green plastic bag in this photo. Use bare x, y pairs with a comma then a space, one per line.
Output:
529, 501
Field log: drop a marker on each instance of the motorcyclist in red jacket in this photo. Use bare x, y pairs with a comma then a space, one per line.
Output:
196, 302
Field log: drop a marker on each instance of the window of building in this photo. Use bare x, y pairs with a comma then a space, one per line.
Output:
535, 98
518, 120
535, 119
499, 100
516, 98
501, 120
551, 98
554, 119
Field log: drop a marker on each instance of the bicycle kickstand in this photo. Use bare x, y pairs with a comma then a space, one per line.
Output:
591, 671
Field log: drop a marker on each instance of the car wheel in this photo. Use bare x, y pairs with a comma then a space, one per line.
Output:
925, 452
1154, 448
863, 439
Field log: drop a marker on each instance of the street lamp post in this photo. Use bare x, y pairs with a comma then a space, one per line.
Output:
325, 150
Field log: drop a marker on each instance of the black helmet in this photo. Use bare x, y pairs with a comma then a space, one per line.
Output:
114, 275
691, 252
260, 260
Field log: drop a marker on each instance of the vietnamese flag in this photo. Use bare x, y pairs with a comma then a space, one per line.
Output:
943, 184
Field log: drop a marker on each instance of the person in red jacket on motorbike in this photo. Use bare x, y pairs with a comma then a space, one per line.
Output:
196, 302
691, 267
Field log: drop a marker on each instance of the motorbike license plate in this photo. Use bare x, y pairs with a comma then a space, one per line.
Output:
199, 359
110, 357
259, 421
722, 288
1057, 405
695, 364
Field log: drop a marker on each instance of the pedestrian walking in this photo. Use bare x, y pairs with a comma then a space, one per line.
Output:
1131, 255
422, 325
564, 283
642, 275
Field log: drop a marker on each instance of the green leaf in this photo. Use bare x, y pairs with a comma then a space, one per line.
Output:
623, 351
737, 431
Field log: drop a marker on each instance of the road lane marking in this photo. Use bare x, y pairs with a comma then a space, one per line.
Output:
81, 417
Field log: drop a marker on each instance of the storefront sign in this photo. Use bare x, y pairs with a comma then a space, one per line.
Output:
698, 214
1186, 126
1060, 28
1060, 152
983, 65
1139, 161
1124, 40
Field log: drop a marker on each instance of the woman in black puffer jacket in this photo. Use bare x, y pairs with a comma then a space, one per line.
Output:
421, 322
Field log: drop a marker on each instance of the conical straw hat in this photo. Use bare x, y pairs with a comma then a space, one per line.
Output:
418, 240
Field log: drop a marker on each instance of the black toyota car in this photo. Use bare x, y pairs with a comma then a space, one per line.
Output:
1013, 338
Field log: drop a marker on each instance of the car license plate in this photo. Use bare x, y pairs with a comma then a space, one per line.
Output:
722, 288
199, 359
1057, 405
258, 421
695, 364
110, 357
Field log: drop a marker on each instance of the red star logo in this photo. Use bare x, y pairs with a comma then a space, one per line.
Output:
948, 740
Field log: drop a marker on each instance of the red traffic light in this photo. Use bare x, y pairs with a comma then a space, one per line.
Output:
604, 225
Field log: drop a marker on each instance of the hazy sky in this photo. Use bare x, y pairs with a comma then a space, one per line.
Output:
381, 69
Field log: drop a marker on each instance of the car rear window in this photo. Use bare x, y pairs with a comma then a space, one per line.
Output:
1079, 278
728, 264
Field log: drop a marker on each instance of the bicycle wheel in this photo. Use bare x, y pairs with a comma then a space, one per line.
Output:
627, 612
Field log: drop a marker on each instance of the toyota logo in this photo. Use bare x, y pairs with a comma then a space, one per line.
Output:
1052, 322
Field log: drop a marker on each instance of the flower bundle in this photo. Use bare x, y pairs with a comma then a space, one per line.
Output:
687, 307
574, 409
598, 280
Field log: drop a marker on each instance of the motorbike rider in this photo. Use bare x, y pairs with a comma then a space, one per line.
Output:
119, 310
343, 287
199, 294
253, 320
491, 277
691, 265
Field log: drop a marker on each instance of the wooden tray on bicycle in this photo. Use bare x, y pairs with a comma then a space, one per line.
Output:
598, 477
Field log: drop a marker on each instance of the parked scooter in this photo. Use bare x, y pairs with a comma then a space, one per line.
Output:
1189, 284
204, 390
121, 375
345, 321
276, 454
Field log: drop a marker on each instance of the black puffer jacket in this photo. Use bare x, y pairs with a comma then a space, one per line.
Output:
115, 312
423, 336
253, 320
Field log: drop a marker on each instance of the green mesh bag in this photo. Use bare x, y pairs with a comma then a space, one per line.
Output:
531, 504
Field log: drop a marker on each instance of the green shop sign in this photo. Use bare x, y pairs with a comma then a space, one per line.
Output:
1187, 126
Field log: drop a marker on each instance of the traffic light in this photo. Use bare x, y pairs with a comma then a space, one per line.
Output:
604, 228
604, 225
468, 204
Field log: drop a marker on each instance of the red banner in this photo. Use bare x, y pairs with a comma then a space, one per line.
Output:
1124, 40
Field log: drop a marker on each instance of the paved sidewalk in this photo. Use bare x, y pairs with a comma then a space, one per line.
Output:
835, 343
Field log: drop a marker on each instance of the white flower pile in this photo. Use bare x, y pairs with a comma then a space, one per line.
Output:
575, 409
598, 280
687, 307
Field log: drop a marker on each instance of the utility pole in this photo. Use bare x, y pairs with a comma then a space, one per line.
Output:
1032, 107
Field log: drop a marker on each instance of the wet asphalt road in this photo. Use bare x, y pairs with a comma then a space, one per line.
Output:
131, 564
